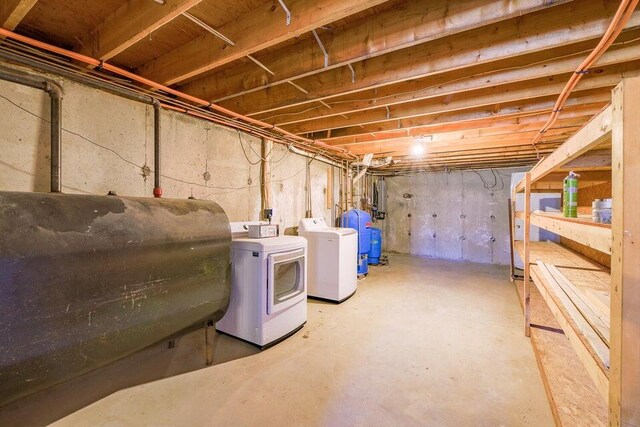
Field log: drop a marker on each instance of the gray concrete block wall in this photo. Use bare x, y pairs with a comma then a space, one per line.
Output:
450, 216
108, 140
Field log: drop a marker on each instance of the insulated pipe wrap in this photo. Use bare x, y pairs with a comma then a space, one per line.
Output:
87, 280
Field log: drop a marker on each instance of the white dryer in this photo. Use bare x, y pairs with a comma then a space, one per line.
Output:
333, 259
268, 287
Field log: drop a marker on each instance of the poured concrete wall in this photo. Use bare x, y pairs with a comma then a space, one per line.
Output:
452, 215
107, 140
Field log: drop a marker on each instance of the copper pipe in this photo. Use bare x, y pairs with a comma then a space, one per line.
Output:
144, 81
619, 21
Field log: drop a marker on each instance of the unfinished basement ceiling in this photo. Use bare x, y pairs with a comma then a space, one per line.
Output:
473, 81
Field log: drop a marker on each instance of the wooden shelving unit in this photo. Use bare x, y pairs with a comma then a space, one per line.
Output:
597, 309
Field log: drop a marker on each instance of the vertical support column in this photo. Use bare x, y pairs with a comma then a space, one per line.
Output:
329, 193
512, 247
624, 378
265, 176
526, 294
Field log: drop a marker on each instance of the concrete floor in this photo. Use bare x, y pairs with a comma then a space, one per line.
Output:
423, 342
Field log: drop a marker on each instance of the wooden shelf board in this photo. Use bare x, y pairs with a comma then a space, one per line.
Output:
589, 278
582, 229
581, 219
573, 397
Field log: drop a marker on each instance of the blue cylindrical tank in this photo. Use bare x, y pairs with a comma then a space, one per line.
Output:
376, 246
360, 221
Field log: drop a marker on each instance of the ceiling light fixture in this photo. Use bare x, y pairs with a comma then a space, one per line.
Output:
417, 149
419, 144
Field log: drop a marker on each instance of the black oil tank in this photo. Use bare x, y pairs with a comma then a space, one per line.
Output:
86, 280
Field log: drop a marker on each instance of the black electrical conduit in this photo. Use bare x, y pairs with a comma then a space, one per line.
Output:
56, 123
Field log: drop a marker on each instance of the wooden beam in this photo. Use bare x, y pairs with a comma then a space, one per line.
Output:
259, 29
526, 294
514, 109
12, 12
466, 164
475, 135
505, 151
515, 139
538, 88
553, 62
624, 392
486, 126
383, 147
129, 24
519, 36
497, 152
473, 158
406, 24
584, 231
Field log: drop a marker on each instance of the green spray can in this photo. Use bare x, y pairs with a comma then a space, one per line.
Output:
570, 195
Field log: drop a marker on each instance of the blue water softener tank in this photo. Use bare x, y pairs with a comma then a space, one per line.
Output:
361, 222
376, 246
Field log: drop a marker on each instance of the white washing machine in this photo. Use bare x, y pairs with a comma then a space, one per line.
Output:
268, 287
333, 259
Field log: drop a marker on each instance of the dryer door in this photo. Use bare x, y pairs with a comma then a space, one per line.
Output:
286, 277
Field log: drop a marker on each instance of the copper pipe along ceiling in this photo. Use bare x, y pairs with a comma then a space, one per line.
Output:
144, 81
620, 19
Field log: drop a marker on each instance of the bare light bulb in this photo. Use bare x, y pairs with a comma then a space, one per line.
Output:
417, 149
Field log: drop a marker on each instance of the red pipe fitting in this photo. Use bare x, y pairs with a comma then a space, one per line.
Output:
157, 192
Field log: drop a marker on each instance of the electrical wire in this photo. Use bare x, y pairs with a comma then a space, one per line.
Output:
15, 44
132, 163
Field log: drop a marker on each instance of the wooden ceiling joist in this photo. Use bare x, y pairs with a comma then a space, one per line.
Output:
522, 91
443, 143
507, 151
469, 129
129, 24
262, 28
528, 34
554, 62
596, 98
12, 12
404, 25
458, 164
474, 80
400, 150
474, 157
468, 159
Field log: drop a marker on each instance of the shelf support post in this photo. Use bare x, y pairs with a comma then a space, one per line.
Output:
624, 378
526, 294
